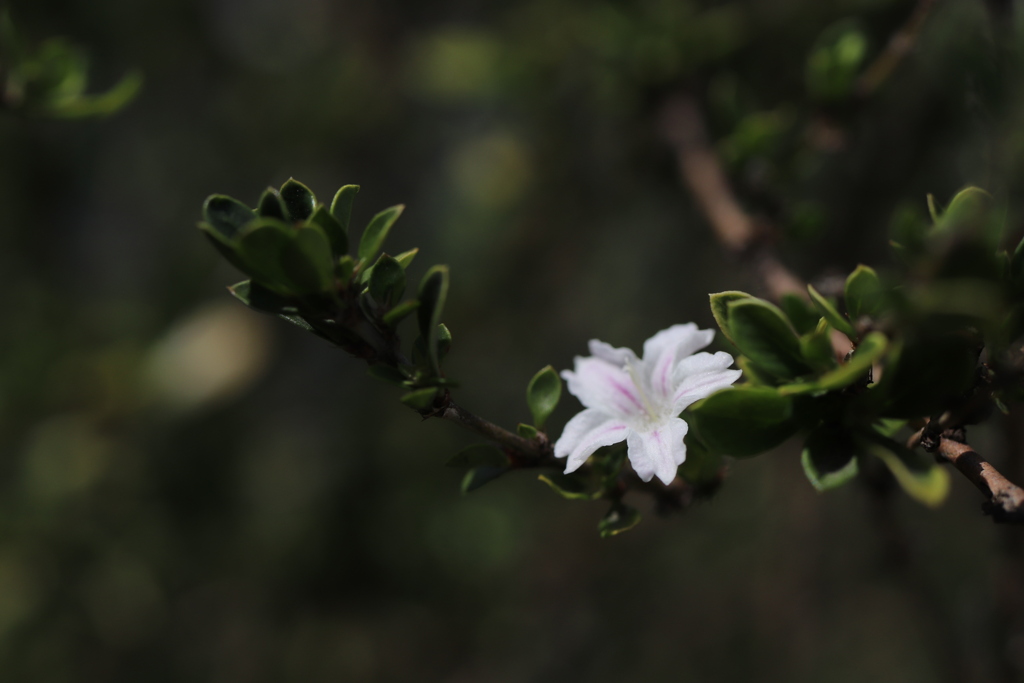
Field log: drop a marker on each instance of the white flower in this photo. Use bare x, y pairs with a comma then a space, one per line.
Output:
639, 400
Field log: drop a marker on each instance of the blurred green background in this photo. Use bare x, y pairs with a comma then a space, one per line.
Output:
192, 492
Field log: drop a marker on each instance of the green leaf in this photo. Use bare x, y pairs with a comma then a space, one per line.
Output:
399, 312
478, 455
816, 348
921, 478
432, 295
968, 213
619, 519
388, 374
341, 207
829, 458
761, 332
377, 231
543, 394
863, 294
388, 281
720, 309
102, 104
569, 487
478, 476
421, 399
299, 201
829, 312
226, 215
870, 350
226, 247
344, 268
406, 257
271, 206
332, 228
801, 316
753, 374
260, 247
444, 341
261, 299
526, 431
307, 260
744, 420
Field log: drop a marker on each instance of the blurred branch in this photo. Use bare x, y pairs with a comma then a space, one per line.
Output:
899, 46
739, 233
702, 172
1006, 499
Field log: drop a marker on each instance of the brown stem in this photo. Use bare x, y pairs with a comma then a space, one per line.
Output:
534, 449
1005, 499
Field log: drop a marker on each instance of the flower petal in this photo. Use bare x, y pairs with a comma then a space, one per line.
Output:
618, 357
658, 451
605, 387
664, 351
585, 433
701, 375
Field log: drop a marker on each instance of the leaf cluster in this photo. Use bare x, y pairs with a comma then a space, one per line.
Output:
296, 252
51, 79
930, 340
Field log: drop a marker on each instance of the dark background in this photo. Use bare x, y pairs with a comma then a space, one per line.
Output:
192, 492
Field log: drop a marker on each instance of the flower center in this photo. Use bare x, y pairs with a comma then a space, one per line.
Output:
634, 375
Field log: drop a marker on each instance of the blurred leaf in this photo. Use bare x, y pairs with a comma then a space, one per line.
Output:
969, 213
478, 455
761, 332
270, 205
478, 476
226, 215
406, 257
432, 295
801, 316
619, 519
829, 312
835, 61
568, 486
388, 374
543, 394
104, 104
332, 228
816, 348
344, 269
388, 281
720, 309
377, 231
341, 207
526, 431
421, 399
262, 299
299, 201
744, 420
921, 478
754, 375
399, 312
863, 293
829, 458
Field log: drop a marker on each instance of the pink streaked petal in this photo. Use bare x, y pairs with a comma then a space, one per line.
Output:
658, 452
696, 387
604, 387
584, 434
610, 354
699, 364
681, 340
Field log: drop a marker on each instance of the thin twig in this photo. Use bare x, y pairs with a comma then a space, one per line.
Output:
1005, 499
899, 46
